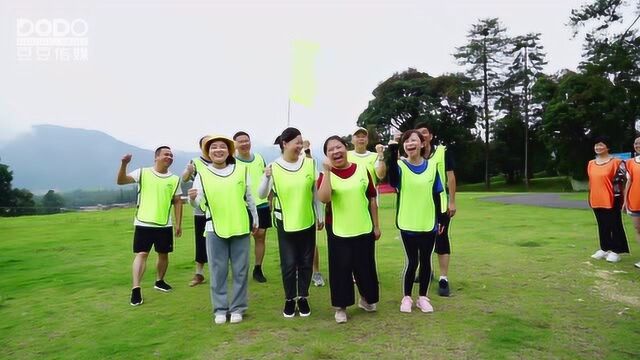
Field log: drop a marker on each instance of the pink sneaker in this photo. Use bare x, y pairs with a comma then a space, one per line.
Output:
423, 303
405, 305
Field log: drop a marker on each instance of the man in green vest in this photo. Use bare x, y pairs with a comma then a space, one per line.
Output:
158, 191
255, 165
374, 162
445, 166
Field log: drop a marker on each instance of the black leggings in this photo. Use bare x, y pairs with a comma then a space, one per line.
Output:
296, 259
418, 245
610, 229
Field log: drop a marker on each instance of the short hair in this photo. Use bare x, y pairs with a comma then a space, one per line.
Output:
159, 149
287, 135
333, 137
602, 139
424, 124
406, 136
240, 133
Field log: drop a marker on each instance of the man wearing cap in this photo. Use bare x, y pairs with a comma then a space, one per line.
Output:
196, 165
374, 162
255, 166
158, 191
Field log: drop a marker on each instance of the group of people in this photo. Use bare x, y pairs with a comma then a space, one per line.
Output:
614, 187
235, 194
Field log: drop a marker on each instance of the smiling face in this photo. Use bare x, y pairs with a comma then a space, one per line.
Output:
164, 157
601, 149
218, 152
337, 154
243, 144
636, 145
360, 140
413, 145
293, 147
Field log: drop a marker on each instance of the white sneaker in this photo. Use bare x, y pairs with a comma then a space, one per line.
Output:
362, 304
600, 254
637, 264
235, 318
220, 319
613, 257
341, 316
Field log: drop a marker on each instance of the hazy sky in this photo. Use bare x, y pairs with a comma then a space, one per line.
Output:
169, 71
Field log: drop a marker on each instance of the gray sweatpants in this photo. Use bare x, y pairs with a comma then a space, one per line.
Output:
220, 252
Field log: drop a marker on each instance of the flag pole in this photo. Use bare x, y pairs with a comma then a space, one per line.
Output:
289, 113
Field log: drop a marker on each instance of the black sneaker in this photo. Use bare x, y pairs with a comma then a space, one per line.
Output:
303, 307
258, 275
443, 287
136, 297
162, 286
289, 309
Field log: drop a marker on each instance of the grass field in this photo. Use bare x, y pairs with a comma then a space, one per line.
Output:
523, 286
542, 184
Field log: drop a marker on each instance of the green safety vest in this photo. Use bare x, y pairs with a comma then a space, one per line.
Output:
255, 168
438, 159
224, 198
415, 210
350, 205
155, 197
368, 162
199, 164
293, 195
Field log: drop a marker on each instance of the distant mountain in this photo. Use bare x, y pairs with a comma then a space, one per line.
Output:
64, 159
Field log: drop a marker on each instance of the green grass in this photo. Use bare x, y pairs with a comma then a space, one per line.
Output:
522, 281
498, 184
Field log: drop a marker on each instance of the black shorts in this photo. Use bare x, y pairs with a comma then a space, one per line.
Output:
442, 240
161, 238
200, 223
264, 218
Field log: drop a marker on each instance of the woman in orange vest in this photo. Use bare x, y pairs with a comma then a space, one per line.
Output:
632, 190
606, 178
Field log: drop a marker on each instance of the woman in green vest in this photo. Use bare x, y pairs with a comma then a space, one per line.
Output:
223, 191
418, 185
291, 178
352, 229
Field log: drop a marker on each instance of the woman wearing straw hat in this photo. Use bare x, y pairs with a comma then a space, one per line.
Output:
351, 231
223, 190
291, 178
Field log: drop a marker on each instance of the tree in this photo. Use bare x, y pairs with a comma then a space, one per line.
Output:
13, 202
52, 202
612, 51
445, 102
581, 107
482, 57
528, 59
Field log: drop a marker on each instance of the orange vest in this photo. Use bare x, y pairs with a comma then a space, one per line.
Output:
633, 195
601, 183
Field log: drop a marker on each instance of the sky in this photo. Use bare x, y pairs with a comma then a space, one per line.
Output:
169, 71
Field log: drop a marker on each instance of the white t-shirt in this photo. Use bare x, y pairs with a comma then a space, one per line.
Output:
135, 174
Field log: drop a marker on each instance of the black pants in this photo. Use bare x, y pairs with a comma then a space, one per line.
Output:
418, 246
296, 259
199, 224
351, 258
610, 229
